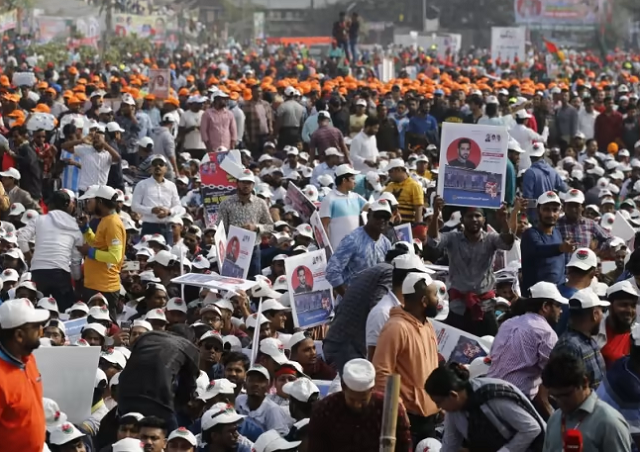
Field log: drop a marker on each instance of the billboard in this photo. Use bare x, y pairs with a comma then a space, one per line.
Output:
507, 43
559, 12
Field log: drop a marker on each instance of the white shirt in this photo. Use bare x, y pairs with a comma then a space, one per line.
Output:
378, 317
363, 147
269, 415
587, 122
95, 166
57, 236
149, 194
192, 140
525, 137
240, 118
320, 170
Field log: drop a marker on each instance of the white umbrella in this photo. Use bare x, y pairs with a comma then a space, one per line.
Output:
41, 121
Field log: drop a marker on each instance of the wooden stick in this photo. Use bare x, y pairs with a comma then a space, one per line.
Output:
390, 414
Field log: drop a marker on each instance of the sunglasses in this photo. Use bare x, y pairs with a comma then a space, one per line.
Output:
209, 347
158, 163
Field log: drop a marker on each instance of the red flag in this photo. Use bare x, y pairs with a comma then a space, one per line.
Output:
551, 47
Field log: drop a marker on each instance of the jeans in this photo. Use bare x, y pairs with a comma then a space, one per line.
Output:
158, 228
353, 44
339, 354
56, 283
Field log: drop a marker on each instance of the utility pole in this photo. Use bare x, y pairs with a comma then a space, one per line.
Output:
424, 15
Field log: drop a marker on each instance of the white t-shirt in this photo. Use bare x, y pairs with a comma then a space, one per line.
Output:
344, 211
95, 166
378, 317
363, 147
192, 140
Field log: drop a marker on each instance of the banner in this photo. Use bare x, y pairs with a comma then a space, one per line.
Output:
310, 292
156, 28
238, 252
299, 201
220, 242
473, 165
8, 20
322, 239
560, 12
160, 83
508, 43
459, 346
48, 29
213, 281
68, 377
217, 185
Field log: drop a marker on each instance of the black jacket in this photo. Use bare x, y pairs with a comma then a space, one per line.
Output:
160, 374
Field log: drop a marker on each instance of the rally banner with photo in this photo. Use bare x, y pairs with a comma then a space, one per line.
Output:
311, 293
299, 201
404, 233
473, 165
160, 83
322, 239
459, 346
220, 242
214, 281
217, 185
238, 252
155, 28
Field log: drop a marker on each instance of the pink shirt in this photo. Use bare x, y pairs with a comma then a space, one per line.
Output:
218, 128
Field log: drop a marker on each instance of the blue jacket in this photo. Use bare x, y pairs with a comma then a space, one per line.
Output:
538, 179
542, 259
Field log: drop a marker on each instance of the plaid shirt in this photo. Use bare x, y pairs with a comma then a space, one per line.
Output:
586, 349
583, 232
324, 138
258, 120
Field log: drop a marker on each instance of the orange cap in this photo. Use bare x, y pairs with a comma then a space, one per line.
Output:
42, 108
73, 100
150, 97
172, 101
183, 92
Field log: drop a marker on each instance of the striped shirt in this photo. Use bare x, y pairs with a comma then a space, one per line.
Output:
409, 195
325, 138
344, 212
70, 173
218, 128
95, 166
586, 349
520, 351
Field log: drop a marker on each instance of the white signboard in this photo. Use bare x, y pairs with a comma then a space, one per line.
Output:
238, 252
214, 281
508, 43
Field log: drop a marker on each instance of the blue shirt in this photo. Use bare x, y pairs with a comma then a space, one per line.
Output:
567, 292
510, 190
70, 173
542, 259
361, 187
356, 252
427, 127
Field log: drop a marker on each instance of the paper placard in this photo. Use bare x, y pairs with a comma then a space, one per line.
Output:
238, 252
23, 79
214, 281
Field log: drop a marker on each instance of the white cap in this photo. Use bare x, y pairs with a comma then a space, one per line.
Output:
177, 304
359, 375
547, 291
381, 205
271, 441
289, 91
292, 150
220, 413
584, 259
211, 334
201, 262
574, 195
537, 149
11, 172
10, 275
163, 257
345, 168
100, 313
333, 151
215, 387
145, 142
274, 348
100, 377
128, 99
305, 230
325, 180
64, 433
251, 320
114, 127
492, 100
98, 328
395, 163
114, 357
156, 314
247, 176
431, 444
52, 414
408, 285
261, 370
625, 287
281, 281
585, 299
374, 179
20, 311
233, 341
16, 209
102, 191
548, 198
273, 305
296, 338
128, 445
79, 306
184, 434
48, 303
142, 323
301, 389
410, 262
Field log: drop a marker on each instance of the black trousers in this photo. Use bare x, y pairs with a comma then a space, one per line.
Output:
56, 283
488, 326
422, 427
112, 299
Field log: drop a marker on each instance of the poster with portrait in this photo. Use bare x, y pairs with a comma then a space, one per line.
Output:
322, 239
473, 165
220, 242
160, 83
214, 281
299, 201
238, 252
217, 185
311, 293
457, 345
404, 233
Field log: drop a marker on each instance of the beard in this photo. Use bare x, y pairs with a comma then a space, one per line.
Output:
431, 311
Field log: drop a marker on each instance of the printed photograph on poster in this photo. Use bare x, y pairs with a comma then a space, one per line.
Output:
322, 239
404, 233
160, 83
220, 242
473, 165
217, 185
312, 300
299, 201
238, 252
459, 346
213, 281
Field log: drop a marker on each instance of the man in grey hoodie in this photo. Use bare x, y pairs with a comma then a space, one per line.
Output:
164, 143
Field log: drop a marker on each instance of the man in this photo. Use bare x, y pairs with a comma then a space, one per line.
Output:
156, 200
303, 287
247, 211
22, 424
566, 120
608, 125
290, 117
104, 250
407, 191
539, 179
585, 316
422, 128
340, 210
326, 137
236, 365
260, 409
14, 193
331, 160
127, 119
220, 429
361, 249
408, 347
189, 127
258, 121
464, 152
587, 118
599, 426
165, 144
543, 246
352, 418
388, 137
27, 162
182, 440
583, 231
153, 433
614, 335
581, 271
523, 344
471, 254
364, 148
513, 159
218, 126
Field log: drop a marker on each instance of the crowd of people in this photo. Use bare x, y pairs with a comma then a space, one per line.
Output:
102, 208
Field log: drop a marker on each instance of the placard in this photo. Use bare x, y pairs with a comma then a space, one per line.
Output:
621, 228
322, 239
311, 293
220, 242
299, 201
459, 346
473, 165
73, 329
68, 377
160, 83
508, 43
404, 233
214, 281
217, 185
23, 79
238, 252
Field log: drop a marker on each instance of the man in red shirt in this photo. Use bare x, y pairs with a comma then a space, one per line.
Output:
22, 421
615, 329
608, 126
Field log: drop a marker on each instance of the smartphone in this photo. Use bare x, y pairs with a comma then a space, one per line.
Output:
125, 325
